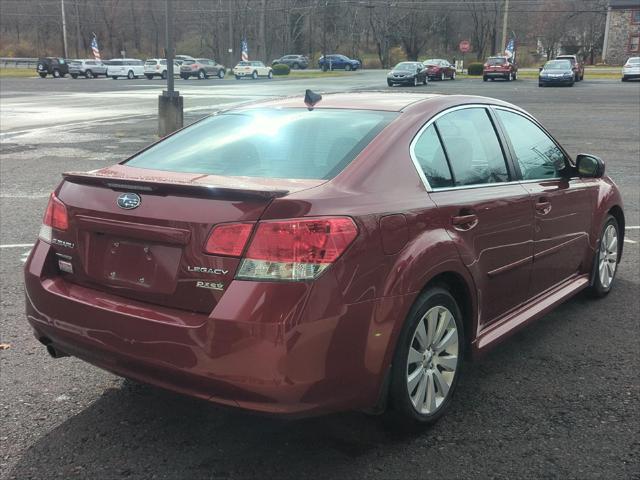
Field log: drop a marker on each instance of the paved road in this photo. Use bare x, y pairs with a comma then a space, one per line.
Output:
559, 400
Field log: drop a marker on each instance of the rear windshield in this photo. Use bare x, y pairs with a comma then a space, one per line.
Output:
634, 61
150, 62
268, 143
497, 61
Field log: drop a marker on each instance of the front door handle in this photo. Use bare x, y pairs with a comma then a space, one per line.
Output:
543, 206
464, 222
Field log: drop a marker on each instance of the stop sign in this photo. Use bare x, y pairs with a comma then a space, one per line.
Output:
464, 46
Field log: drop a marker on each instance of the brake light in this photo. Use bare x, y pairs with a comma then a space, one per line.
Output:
55, 216
194, 67
228, 239
299, 249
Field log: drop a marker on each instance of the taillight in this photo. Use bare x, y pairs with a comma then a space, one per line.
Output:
55, 216
228, 239
299, 249
194, 67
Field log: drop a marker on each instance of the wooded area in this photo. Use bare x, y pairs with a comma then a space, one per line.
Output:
379, 32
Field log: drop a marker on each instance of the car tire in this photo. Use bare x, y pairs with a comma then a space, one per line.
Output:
515, 76
270, 75
44, 75
202, 75
419, 362
572, 84
114, 77
295, 66
453, 75
221, 73
88, 74
164, 75
348, 68
389, 84
425, 80
149, 77
56, 74
415, 81
606, 259
442, 77
484, 79
130, 75
237, 77
254, 75
624, 79
74, 75
184, 77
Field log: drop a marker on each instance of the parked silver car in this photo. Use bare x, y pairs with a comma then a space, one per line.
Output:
87, 68
201, 68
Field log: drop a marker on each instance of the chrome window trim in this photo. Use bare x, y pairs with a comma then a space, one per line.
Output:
416, 137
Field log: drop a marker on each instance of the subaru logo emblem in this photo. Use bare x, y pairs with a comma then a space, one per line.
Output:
129, 201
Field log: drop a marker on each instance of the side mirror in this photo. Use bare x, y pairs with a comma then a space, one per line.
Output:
589, 166
540, 69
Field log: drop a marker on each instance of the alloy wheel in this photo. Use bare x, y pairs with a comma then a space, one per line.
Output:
608, 258
432, 360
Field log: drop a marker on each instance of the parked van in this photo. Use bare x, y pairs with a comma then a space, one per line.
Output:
125, 67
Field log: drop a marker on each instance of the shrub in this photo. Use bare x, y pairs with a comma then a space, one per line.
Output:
475, 69
281, 69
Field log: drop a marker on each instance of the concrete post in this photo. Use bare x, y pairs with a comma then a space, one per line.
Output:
170, 113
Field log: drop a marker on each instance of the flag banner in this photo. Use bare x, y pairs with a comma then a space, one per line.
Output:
510, 49
245, 50
94, 47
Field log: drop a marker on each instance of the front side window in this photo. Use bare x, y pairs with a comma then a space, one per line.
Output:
268, 143
472, 147
428, 151
536, 154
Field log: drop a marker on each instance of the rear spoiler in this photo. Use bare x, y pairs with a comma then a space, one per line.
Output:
170, 186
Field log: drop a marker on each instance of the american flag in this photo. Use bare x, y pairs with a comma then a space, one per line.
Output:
510, 49
94, 47
245, 50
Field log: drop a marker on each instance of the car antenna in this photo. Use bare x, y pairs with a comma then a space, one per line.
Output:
311, 98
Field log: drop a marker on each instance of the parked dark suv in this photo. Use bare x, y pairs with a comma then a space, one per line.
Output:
55, 66
293, 61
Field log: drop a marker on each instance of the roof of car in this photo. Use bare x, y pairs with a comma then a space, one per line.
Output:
384, 101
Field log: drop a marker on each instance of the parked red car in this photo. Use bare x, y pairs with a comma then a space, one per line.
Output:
296, 262
499, 67
438, 69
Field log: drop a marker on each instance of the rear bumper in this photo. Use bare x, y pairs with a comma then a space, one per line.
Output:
494, 74
276, 349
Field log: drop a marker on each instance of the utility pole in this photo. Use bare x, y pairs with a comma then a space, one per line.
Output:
505, 19
64, 29
170, 103
78, 37
230, 64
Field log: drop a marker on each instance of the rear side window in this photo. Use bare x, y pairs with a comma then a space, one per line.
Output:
268, 143
536, 154
429, 153
472, 147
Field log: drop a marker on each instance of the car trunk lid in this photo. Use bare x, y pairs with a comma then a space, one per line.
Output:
154, 252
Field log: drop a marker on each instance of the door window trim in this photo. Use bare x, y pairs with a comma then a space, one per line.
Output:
506, 152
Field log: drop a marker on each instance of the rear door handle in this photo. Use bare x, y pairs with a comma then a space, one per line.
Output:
543, 206
464, 222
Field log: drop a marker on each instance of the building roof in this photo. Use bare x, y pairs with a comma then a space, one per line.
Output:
619, 4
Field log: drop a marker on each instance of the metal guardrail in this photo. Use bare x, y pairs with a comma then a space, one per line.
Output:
18, 62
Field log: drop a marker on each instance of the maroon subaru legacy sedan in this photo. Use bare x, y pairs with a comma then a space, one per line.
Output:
296, 259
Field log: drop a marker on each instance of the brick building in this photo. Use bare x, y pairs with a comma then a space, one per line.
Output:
622, 32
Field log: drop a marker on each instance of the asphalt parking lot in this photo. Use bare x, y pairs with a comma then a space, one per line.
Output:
559, 400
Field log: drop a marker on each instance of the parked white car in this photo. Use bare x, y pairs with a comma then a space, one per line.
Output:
157, 67
88, 68
631, 69
125, 67
252, 69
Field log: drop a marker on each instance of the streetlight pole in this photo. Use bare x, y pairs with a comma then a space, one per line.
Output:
170, 103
